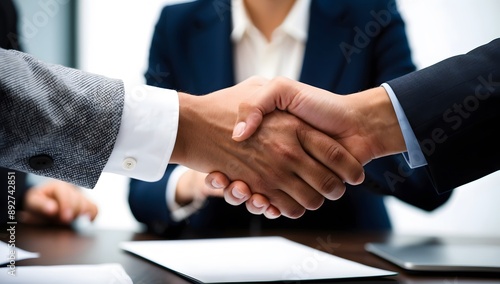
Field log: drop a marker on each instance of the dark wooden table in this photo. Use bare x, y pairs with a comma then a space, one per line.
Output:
59, 245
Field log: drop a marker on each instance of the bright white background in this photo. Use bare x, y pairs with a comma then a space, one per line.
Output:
114, 39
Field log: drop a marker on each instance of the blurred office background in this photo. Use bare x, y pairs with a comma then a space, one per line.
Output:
112, 38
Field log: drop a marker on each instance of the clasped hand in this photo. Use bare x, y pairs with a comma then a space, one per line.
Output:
289, 162
292, 146
351, 123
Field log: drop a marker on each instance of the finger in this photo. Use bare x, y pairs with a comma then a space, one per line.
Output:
257, 204
297, 195
331, 154
68, 201
39, 204
320, 180
217, 180
83, 206
272, 212
88, 208
328, 181
237, 193
291, 201
93, 211
278, 93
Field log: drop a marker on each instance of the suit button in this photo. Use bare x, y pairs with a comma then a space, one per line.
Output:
41, 162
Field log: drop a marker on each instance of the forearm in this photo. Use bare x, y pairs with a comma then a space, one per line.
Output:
198, 128
377, 122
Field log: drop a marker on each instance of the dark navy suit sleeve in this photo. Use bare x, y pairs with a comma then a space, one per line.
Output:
148, 204
453, 108
391, 175
391, 48
159, 73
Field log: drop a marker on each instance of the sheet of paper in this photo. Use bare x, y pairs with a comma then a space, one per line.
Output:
8, 253
63, 274
255, 259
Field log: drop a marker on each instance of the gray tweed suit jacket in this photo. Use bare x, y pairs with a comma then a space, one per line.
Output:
56, 121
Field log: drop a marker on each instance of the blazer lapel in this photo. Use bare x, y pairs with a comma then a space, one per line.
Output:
323, 59
210, 49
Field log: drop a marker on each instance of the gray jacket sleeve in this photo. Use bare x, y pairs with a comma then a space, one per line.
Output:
56, 121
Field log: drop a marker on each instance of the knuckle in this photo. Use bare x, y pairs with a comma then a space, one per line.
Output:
280, 80
330, 185
335, 153
338, 193
266, 189
315, 203
230, 199
252, 209
295, 213
287, 153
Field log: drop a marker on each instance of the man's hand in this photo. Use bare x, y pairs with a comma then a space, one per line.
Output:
358, 121
361, 122
191, 187
289, 162
56, 202
237, 192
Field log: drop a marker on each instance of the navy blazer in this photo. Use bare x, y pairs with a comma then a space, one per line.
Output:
459, 129
352, 45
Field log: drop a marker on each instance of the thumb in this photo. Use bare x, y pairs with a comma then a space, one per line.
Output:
277, 93
247, 122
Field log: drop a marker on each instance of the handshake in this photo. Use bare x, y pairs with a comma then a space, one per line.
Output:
292, 145
278, 145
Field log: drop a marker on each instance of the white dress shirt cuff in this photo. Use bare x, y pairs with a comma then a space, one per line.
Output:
178, 212
147, 133
414, 155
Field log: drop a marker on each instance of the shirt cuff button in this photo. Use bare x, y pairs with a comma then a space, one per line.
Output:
129, 164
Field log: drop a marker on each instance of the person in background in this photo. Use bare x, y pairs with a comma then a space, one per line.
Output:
327, 44
73, 125
51, 201
48, 202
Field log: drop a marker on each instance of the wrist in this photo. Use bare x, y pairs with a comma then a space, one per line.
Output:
187, 197
204, 132
381, 123
179, 152
184, 192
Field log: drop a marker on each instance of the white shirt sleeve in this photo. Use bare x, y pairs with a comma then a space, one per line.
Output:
147, 133
414, 156
178, 212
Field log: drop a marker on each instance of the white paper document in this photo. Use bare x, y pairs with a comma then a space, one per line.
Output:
253, 259
8, 254
111, 273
